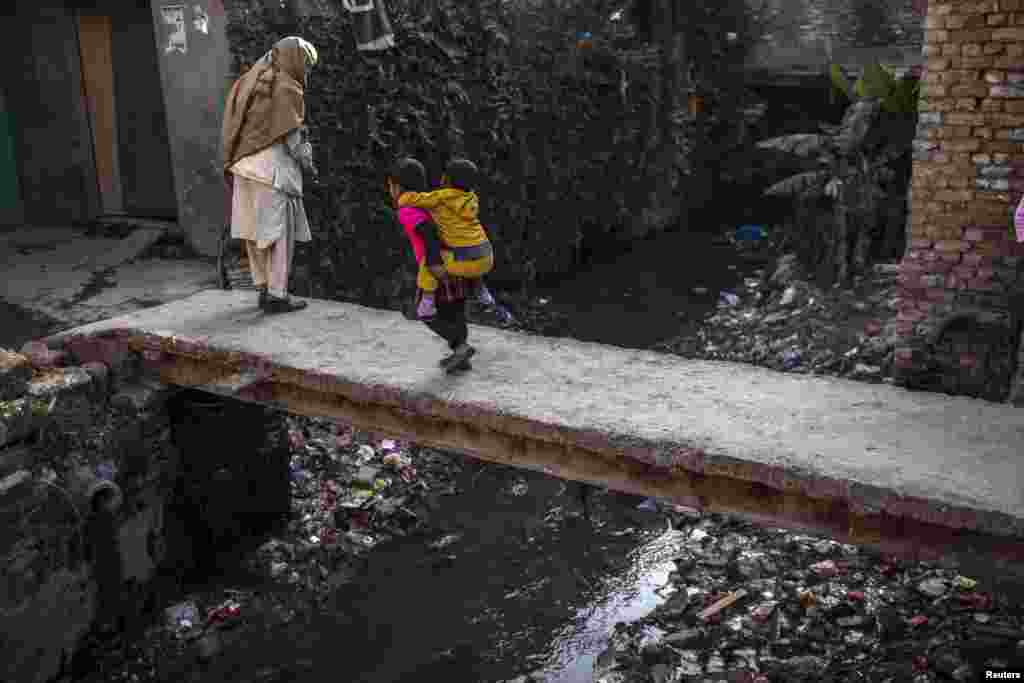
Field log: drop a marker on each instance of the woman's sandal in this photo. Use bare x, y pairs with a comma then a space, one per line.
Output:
275, 304
461, 367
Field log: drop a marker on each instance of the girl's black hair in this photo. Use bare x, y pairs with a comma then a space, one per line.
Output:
462, 174
409, 174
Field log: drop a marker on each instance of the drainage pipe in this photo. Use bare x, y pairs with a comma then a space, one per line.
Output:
91, 493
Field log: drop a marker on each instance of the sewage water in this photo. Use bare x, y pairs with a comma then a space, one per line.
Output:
629, 596
519, 584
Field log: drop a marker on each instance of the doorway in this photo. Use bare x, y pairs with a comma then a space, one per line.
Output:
95, 41
10, 191
123, 92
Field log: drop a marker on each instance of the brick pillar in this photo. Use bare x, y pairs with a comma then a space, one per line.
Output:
968, 173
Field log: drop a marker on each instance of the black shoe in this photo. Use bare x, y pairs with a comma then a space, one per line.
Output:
461, 355
286, 305
263, 296
461, 367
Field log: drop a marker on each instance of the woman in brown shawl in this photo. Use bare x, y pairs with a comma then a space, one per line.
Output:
265, 150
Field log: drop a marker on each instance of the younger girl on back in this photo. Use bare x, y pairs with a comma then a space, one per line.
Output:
449, 292
466, 249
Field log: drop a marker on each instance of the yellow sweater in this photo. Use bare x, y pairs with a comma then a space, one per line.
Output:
455, 212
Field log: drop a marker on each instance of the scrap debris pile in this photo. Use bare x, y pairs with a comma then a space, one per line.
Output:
761, 605
780, 320
350, 491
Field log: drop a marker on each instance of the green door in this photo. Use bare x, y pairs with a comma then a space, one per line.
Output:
10, 200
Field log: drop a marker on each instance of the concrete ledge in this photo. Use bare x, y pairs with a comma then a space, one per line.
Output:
916, 474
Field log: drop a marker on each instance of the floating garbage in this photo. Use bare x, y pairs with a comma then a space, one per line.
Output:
444, 541
721, 604
698, 535
791, 359
396, 460
750, 233
933, 588
224, 612
649, 505
825, 568
365, 453
106, 471
764, 611
182, 617
366, 476
299, 475
964, 583
365, 540
727, 298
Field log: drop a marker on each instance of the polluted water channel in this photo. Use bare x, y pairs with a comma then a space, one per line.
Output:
508, 574
531, 588
514, 581
628, 597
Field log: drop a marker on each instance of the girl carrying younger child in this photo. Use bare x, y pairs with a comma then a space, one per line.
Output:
451, 247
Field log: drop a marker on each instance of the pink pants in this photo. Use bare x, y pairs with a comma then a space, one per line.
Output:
1018, 220
271, 267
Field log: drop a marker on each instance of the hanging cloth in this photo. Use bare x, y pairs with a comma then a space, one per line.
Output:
370, 24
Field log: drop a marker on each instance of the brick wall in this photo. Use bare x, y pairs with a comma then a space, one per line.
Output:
968, 175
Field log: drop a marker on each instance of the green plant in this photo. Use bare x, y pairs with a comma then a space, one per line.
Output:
898, 95
860, 166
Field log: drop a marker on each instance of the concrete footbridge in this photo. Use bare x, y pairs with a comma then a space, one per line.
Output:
915, 474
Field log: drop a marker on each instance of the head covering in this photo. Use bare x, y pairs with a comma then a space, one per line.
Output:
268, 101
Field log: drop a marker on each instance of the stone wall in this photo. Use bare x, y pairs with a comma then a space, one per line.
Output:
962, 260
86, 465
103, 485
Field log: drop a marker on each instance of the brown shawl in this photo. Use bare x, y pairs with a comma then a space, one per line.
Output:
266, 103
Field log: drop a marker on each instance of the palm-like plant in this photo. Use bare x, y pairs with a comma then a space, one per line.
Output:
855, 162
